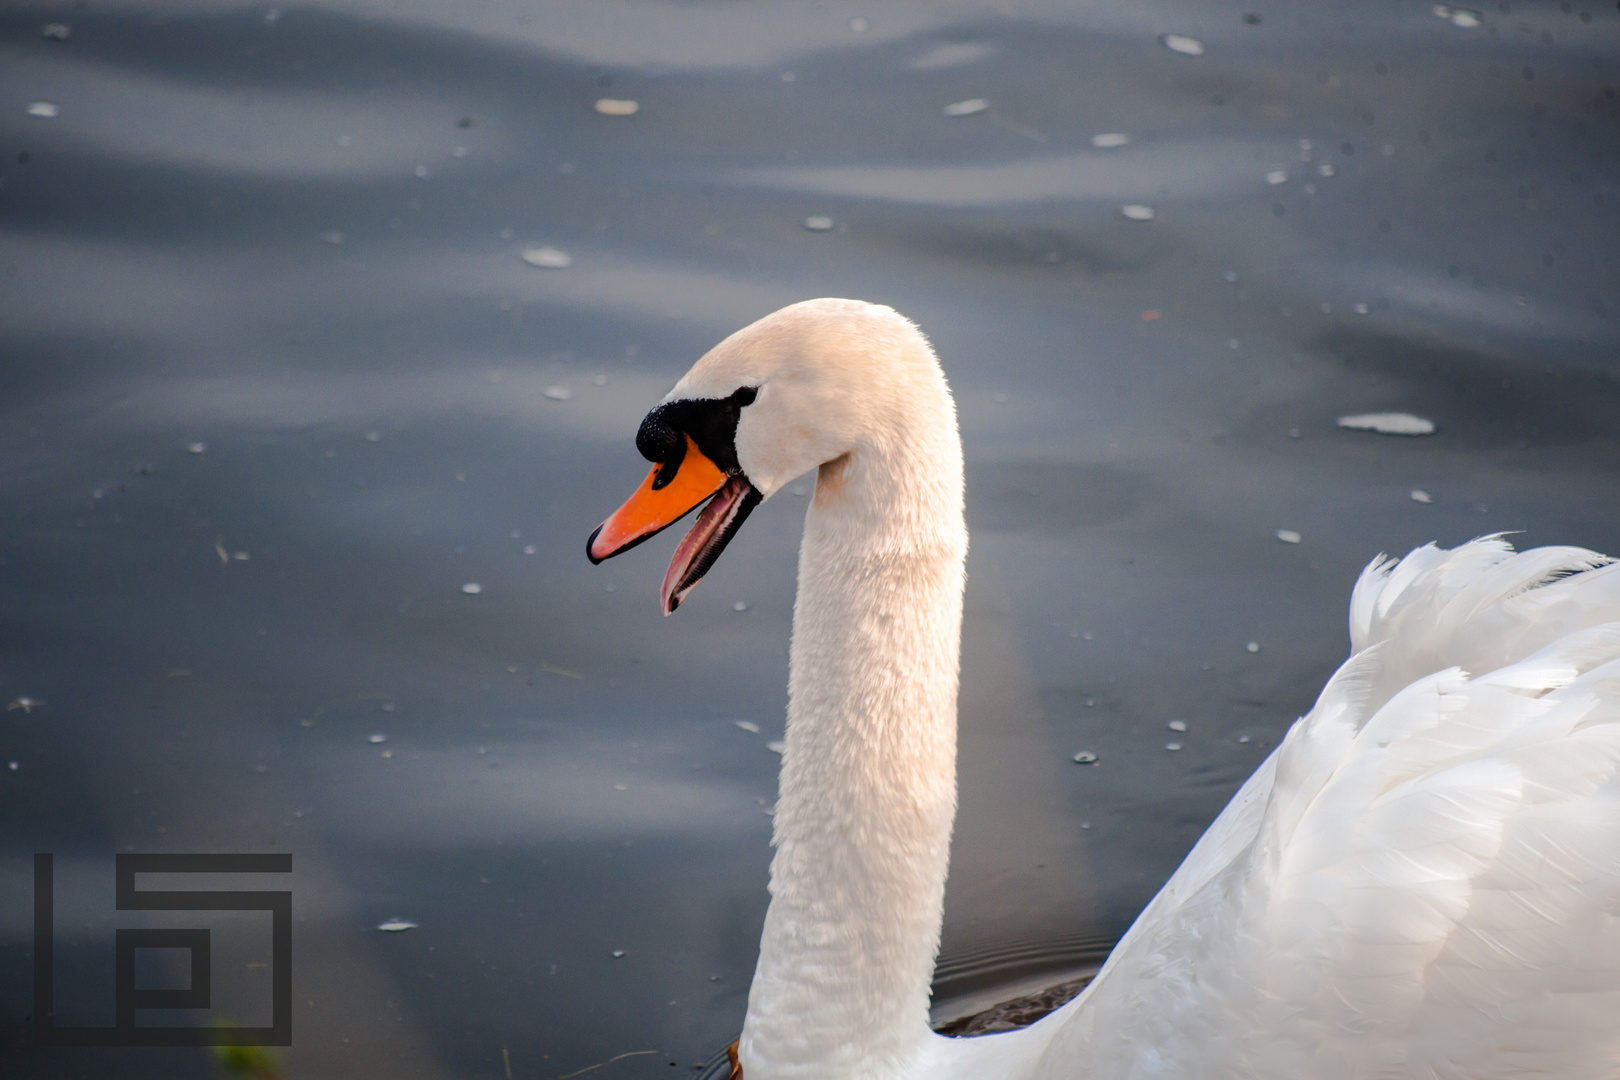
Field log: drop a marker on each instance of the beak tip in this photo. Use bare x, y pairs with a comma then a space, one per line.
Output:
590, 548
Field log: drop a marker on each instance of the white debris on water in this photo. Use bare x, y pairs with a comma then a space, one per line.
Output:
547, 258
1325, 170
43, 110
618, 954
1361, 309
818, 223
197, 447
529, 549
422, 172
1420, 496
1177, 725
558, 393
472, 588
1288, 536
1277, 176
1463, 17
966, 108
1172, 746
379, 737
56, 31
1109, 140
1388, 423
776, 746
748, 726
332, 236
1253, 646
740, 606
1137, 212
1085, 757
617, 107
1181, 43
394, 926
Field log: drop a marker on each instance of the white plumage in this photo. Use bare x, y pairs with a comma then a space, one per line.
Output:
1422, 881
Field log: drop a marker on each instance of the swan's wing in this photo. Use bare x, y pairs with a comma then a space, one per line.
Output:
1430, 886
1446, 905
1478, 607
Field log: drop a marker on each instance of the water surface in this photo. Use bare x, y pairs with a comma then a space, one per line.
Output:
276, 390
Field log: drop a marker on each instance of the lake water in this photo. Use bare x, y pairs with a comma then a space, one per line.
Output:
298, 455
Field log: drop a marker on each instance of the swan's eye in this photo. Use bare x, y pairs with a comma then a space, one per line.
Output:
711, 422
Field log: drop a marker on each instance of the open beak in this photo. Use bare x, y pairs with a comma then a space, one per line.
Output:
661, 501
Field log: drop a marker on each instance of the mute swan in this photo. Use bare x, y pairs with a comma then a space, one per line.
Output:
1423, 880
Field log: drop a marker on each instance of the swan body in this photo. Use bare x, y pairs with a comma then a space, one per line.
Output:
1423, 880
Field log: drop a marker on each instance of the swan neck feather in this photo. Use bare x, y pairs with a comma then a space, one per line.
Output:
868, 786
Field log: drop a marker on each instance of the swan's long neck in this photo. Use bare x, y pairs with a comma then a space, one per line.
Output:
868, 789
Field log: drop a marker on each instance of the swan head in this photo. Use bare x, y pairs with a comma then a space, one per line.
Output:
804, 386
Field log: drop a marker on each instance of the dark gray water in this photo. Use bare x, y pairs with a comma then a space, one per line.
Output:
275, 390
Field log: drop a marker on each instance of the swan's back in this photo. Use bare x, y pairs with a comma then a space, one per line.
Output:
1424, 878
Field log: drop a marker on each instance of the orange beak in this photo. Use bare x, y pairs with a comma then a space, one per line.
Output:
654, 507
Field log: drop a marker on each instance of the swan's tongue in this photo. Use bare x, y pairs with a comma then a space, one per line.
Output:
716, 525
